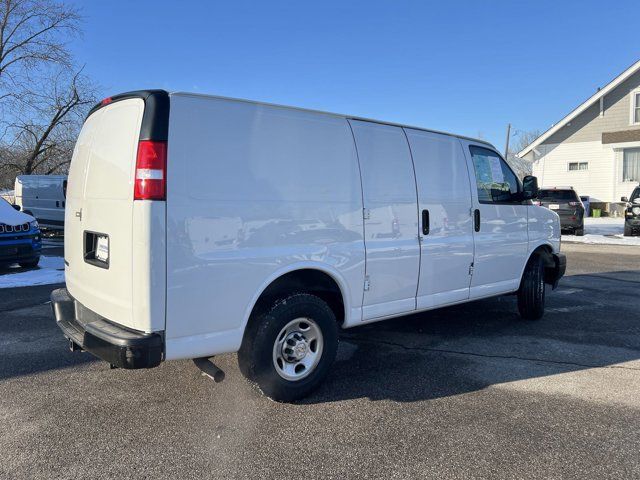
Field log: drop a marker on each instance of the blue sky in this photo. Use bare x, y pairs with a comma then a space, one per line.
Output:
464, 67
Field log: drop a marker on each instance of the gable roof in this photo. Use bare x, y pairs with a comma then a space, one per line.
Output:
590, 101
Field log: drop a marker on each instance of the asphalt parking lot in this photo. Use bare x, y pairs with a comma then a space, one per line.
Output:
464, 392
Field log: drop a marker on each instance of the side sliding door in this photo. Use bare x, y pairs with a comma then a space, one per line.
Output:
391, 219
446, 231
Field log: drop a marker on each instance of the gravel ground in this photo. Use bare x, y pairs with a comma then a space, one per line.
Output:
463, 392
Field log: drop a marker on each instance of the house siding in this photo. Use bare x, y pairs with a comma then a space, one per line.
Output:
597, 139
589, 125
598, 181
620, 188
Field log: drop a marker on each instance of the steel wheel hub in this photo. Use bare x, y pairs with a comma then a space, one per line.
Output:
297, 349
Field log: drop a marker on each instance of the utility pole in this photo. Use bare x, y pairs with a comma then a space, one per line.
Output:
506, 147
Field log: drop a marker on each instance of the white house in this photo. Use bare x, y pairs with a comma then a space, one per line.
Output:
596, 147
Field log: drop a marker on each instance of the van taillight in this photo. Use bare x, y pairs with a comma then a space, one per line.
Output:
151, 170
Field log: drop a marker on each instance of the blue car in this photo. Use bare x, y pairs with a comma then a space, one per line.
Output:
20, 239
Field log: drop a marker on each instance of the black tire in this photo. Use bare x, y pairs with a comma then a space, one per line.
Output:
579, 232
30, 263
532, 290
256, 355
627, 230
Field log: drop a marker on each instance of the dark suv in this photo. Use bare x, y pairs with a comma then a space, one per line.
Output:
567, 204
632, 213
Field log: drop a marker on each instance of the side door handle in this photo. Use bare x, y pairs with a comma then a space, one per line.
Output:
425, 222
476, 220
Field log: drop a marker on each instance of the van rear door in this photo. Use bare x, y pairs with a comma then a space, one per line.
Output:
110, 239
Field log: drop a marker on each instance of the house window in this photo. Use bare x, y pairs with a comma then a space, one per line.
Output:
635, 107
631, 165
578, 166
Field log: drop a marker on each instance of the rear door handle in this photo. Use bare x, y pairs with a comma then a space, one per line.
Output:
425, 222
476, 220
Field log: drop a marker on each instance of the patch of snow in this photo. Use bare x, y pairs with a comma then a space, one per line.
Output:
50, 270
603, 231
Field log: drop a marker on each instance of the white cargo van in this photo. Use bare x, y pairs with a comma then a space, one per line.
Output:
42, 196
199, 225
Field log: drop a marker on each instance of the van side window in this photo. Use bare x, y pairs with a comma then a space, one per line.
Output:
495, 180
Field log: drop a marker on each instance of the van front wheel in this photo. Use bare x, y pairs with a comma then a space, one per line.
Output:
532, 290
289, 350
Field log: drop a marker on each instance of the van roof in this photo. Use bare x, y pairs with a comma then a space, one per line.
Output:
190, 94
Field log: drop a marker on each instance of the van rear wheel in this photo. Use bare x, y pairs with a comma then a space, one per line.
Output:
289, 350
532, 290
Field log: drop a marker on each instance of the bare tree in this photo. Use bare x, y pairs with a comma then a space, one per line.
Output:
522, 138
43, 96
33, 33
46, 125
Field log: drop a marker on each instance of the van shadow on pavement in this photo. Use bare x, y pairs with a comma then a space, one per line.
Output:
589, 322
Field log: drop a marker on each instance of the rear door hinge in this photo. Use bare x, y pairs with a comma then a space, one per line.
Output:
471, 269
366, 214
367, 283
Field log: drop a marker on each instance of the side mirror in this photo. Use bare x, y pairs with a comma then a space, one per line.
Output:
624, 199
16, 207
529, 187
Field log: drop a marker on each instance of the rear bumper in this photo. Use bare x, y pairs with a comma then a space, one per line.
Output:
570, 220
553, 274
112, 343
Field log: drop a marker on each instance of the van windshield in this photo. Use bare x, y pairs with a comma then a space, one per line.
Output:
558, 195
